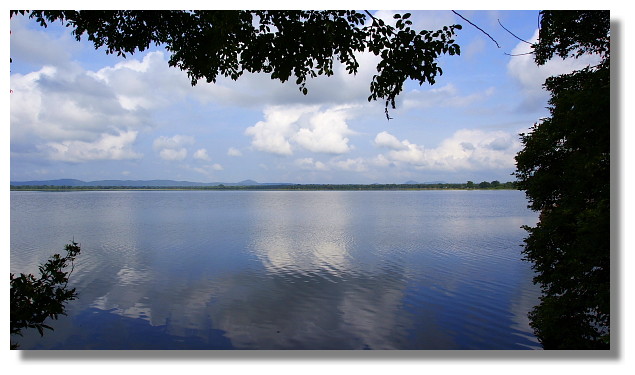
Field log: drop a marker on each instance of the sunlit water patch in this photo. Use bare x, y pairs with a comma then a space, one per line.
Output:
283, 270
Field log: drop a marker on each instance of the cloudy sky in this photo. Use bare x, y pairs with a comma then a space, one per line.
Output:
79, 113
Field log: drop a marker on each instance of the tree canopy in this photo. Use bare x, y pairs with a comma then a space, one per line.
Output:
565, 169
284, 44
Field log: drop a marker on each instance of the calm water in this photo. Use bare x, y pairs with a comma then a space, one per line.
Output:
283, 270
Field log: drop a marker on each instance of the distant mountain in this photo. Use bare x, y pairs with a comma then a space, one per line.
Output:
246, 183
134, 183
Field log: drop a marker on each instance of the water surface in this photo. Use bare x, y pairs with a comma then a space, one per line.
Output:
283, 270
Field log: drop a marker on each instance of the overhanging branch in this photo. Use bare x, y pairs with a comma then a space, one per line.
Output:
483, 31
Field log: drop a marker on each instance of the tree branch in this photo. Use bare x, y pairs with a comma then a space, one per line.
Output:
483, 31
514, 35
519, 54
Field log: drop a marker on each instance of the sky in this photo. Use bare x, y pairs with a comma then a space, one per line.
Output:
76, 112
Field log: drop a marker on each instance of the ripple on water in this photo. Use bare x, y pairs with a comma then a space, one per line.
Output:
392, 270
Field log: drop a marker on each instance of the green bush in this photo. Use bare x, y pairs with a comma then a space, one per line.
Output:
33, 300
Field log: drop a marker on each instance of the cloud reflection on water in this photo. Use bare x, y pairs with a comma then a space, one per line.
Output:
312, 270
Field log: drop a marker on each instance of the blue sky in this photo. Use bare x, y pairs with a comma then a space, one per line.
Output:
79, 113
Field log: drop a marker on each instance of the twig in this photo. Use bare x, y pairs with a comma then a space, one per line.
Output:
375, 21
483, 31
370, 15
519, 54
514, 35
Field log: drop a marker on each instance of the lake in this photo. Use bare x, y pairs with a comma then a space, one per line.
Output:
432, 269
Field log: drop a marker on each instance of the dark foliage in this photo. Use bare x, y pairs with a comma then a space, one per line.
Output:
565, 169
573, 33
284, 44
33, 300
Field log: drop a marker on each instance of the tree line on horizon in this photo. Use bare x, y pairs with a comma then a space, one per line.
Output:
469, 185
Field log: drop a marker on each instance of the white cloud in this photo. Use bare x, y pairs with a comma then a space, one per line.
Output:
326, 132
234, 152
145, 80
255, 90
172, 148
411, 154
201, 154
175, 141
70, 115
381, 161
531, 77
59, 105
310, 164
107, 147
173, 154
273, 134
353, 165
466, 149
145, 83
444, 96
385, 139
304, 127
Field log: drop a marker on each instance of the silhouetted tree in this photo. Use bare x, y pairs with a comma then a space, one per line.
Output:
564, 168
33, 300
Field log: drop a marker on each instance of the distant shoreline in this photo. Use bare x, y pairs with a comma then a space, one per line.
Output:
282, 187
